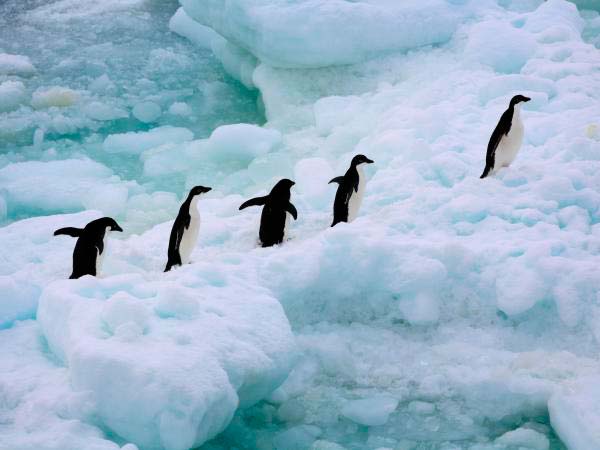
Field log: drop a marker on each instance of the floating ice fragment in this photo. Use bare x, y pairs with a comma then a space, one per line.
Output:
371, 412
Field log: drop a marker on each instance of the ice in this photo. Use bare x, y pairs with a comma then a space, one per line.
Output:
175, 383
370, 411
137, 142
12, 94
292, 34
103, 112
15, 65
76, 183
524, 437
180, 109
183, 25
147, 112
502, 46
54, 96
574, 414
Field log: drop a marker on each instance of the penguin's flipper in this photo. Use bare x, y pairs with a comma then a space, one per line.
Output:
338, 180
69, 231
356, 184
257, 201
100, 246
292, 210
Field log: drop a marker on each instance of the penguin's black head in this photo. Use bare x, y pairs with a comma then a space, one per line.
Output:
197, 190
361, 159
518, 99
282, 186
104, 223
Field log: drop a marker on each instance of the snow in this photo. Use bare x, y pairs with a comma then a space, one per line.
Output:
12, 94
54, 96
15, 65
137, 142
523, 437
370, 411
453, 312
147, 112
292, 33
574, 414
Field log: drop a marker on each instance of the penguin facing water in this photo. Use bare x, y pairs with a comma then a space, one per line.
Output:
274, 217
350, 192
506, 139
186, 227
89, 248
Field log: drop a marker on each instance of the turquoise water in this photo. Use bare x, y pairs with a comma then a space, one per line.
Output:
118, 59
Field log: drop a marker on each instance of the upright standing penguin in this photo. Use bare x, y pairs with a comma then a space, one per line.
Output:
89, 248
506, 139
184, 233
350, 191
274, 218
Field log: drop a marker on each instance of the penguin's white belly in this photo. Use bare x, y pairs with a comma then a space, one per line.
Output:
100, 256
189, 239
509, 146
99, 261
356, 197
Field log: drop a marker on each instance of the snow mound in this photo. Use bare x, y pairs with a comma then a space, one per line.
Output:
12, 94
137, 142
574, 414
15, 65
57, 96
310, 33
180, 354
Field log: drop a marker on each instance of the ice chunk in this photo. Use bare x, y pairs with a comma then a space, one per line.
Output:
574, 414
15, 65
372, 411
101, 111
147, 112
297, 438
55, 185
317, 34
183, 25
524, 438
180, 109
500, 45
54, 96
12, 94
137, 142
174, 383
516, 298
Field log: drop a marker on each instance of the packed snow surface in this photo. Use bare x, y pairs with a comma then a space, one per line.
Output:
453, 313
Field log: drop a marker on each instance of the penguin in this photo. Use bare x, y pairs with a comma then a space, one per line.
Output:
184, 233
89, 248
351, 189
274, 218
506, 139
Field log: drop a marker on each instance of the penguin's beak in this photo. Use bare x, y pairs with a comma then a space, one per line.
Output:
117, 228
207, 189
369, 161
526, 99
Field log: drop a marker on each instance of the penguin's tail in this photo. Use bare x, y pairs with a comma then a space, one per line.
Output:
173, 261
486, 172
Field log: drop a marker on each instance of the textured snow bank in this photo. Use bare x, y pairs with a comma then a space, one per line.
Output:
313, 33
575, 415
167, 362
39, 409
